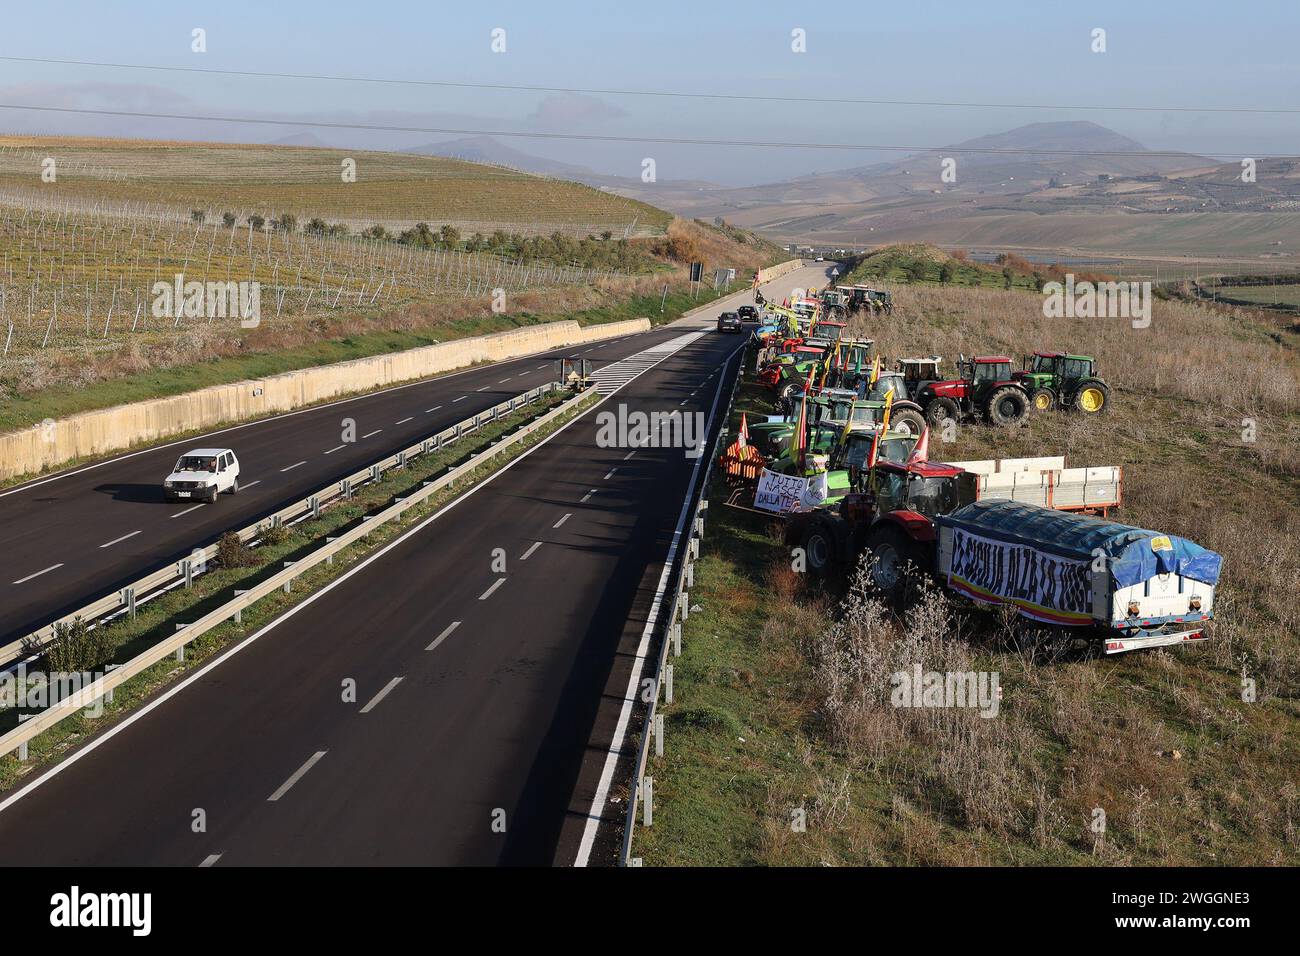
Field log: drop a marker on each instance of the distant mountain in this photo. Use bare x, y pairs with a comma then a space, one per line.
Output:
485, 149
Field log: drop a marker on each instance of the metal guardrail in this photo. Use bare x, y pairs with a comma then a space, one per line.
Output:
17, 738
641, 791
125, 599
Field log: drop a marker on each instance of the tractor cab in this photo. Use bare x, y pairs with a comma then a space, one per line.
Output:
1059, 380
985, 370
929, 488
830, 332
574, 373
918, 373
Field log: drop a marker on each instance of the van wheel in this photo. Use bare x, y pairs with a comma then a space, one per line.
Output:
212, 495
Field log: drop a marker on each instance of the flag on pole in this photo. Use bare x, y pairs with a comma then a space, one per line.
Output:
921, 452
889, 404
743, 438
875, 449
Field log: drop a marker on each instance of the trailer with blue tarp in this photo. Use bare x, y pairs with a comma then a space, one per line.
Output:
1140, 587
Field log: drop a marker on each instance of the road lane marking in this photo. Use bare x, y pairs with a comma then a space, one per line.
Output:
566, 517
534, 547
488, 593
291, 467
209, 860
374, 701
52, 567
444, 635
109, 544
375, 432
336, 448
541, 367
297, 775
521, 374
251, 483
434, 409
504, 380
461, 399
483, 389
629, 454
405, 420
584, 498
187, 510
611, 474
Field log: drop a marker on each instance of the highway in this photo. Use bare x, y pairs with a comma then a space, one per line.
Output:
76, 536
485, 704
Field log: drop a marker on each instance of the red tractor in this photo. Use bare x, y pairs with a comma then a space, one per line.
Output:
986, 389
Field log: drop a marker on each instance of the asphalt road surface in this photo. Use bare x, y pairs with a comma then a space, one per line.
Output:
486, 702
74, 537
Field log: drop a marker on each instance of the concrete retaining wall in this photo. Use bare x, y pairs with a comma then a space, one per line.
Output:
112, 429
778, 270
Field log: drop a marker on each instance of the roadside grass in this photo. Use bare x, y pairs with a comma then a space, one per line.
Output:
1186, 771
156, 620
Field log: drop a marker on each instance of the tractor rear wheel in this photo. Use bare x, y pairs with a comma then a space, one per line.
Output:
940, 410
1007, 406
1092, 397
1043, 400
907, 420
893, 559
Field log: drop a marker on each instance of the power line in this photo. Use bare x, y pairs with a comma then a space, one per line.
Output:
593, 137
761, 98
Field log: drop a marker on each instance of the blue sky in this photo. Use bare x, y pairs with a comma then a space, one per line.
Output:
1187, 54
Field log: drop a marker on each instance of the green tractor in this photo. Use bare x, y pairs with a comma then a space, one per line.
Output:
1056, 380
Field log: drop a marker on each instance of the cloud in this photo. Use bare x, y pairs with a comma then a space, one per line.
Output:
566, 111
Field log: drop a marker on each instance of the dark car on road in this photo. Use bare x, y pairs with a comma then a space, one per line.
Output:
729, 322
748, 313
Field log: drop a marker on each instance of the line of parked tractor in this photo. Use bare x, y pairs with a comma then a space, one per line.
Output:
844, 461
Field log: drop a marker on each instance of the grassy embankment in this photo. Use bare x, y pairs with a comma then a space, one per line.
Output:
782, 690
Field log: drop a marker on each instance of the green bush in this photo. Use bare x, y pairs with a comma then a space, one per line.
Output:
76, 647
232, 552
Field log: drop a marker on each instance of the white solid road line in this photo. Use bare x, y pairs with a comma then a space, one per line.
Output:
405, 420
297, 775
336, 448
187, 510
566, 517
210, 860
369, 434
291, 467
488, 593
443, 636
109, 544
535, 545
52, 567
374, 701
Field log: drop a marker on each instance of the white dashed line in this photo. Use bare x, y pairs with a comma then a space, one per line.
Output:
251, 483
444, 635
483, 389
461, 399
488, 593
583, 499
566, 517
434, 409
504, 380
291, 467
336, 448
611, 474
405, 420
209, 860
526, 554
109, 544
369, 434
52, 567
187, 511
297, 775
629, 454
374, 701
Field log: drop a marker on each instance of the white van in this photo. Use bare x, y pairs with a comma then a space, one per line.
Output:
202, 474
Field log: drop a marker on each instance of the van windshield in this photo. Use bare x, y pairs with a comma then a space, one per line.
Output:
197, 463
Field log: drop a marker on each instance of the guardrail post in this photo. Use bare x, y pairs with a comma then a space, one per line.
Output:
288, 585
694, 548
677, 640
22, 747
476, 422
690, 575
345, 488
374, 473
648, 801
668, 683
329, 558
424, 447
401, 459
659, 735
315, 506
239, 615
180, 651
128, 599
456, 432
684, 605
187, 571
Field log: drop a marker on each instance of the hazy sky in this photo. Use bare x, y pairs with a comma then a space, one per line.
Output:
1164, 54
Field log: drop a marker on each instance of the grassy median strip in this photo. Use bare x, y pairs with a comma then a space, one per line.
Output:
157, 619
